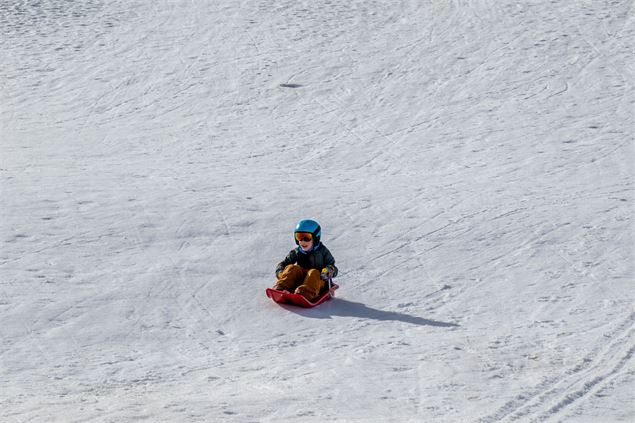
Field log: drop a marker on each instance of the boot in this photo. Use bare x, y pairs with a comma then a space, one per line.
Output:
279, 287
312, 285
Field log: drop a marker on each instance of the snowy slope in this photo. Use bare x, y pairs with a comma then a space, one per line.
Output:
471, 164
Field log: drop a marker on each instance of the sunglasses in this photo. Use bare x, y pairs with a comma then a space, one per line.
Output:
304, 237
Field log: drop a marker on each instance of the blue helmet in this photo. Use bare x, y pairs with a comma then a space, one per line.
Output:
311, 227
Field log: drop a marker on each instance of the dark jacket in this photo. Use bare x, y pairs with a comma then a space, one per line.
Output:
318, 258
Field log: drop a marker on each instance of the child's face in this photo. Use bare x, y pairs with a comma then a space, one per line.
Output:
306, 242
306, 245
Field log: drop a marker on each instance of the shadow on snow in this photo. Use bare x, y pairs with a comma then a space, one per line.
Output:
345, 308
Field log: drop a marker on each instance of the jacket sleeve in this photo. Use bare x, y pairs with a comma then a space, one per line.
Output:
329, 260
291, 258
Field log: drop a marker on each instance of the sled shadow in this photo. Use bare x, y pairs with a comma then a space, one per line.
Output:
345, 308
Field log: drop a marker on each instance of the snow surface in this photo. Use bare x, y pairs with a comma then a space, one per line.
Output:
471, 163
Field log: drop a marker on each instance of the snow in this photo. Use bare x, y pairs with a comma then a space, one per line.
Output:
471, 164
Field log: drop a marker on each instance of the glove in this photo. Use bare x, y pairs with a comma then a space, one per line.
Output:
327, 273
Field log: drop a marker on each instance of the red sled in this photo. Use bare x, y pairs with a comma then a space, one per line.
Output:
286, 297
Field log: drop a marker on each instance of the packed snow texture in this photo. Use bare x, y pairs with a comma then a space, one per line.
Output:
471, 164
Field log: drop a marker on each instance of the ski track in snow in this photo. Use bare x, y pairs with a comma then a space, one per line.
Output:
471, 164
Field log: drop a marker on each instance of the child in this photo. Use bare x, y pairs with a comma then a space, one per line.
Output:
306, 269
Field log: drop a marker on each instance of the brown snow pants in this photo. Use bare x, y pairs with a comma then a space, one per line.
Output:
296, 279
